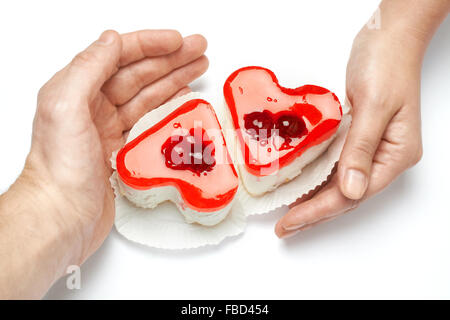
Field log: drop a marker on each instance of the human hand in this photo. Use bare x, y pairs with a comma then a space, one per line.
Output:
383, 86
84, 113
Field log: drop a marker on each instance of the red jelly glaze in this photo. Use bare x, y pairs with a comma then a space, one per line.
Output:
190, 193
319, 134
179, 152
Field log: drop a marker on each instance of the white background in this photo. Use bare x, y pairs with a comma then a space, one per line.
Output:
396, 245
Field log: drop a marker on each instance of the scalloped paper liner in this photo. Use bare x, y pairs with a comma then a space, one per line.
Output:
164, 227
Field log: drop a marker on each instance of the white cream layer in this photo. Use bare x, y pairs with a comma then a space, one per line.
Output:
258, 185
152, 197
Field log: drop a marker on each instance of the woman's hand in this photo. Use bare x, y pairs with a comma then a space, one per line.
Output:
84, 113
383, 86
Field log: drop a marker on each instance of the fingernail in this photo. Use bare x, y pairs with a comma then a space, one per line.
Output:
355, 184
106, 38
293, 226
289, 234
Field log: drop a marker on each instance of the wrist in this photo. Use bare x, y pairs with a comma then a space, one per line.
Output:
53, 206
40, 244
392, 45
411, 23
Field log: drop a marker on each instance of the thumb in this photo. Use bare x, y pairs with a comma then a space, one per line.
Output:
89, 70
368, 125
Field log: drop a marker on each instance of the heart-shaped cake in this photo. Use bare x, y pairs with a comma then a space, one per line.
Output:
280, 130
182, 158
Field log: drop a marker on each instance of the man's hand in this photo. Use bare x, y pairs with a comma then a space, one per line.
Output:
83, 114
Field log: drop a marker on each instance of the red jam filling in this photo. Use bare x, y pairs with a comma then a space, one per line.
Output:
193, 151
262, 125
207, 183
290, 126
287, 120
259, 125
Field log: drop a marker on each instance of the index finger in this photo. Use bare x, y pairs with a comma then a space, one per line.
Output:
327, 203
148, 43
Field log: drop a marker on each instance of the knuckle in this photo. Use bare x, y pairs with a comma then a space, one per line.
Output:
84, 58
364, 148
137, 77
45, 97
42, 92
370, 100
170, 63
415, 153
44, 113
179, 81
49, 87
366, 97
408, 155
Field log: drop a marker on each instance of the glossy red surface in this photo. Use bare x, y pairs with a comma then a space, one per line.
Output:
304, 116
141, 162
